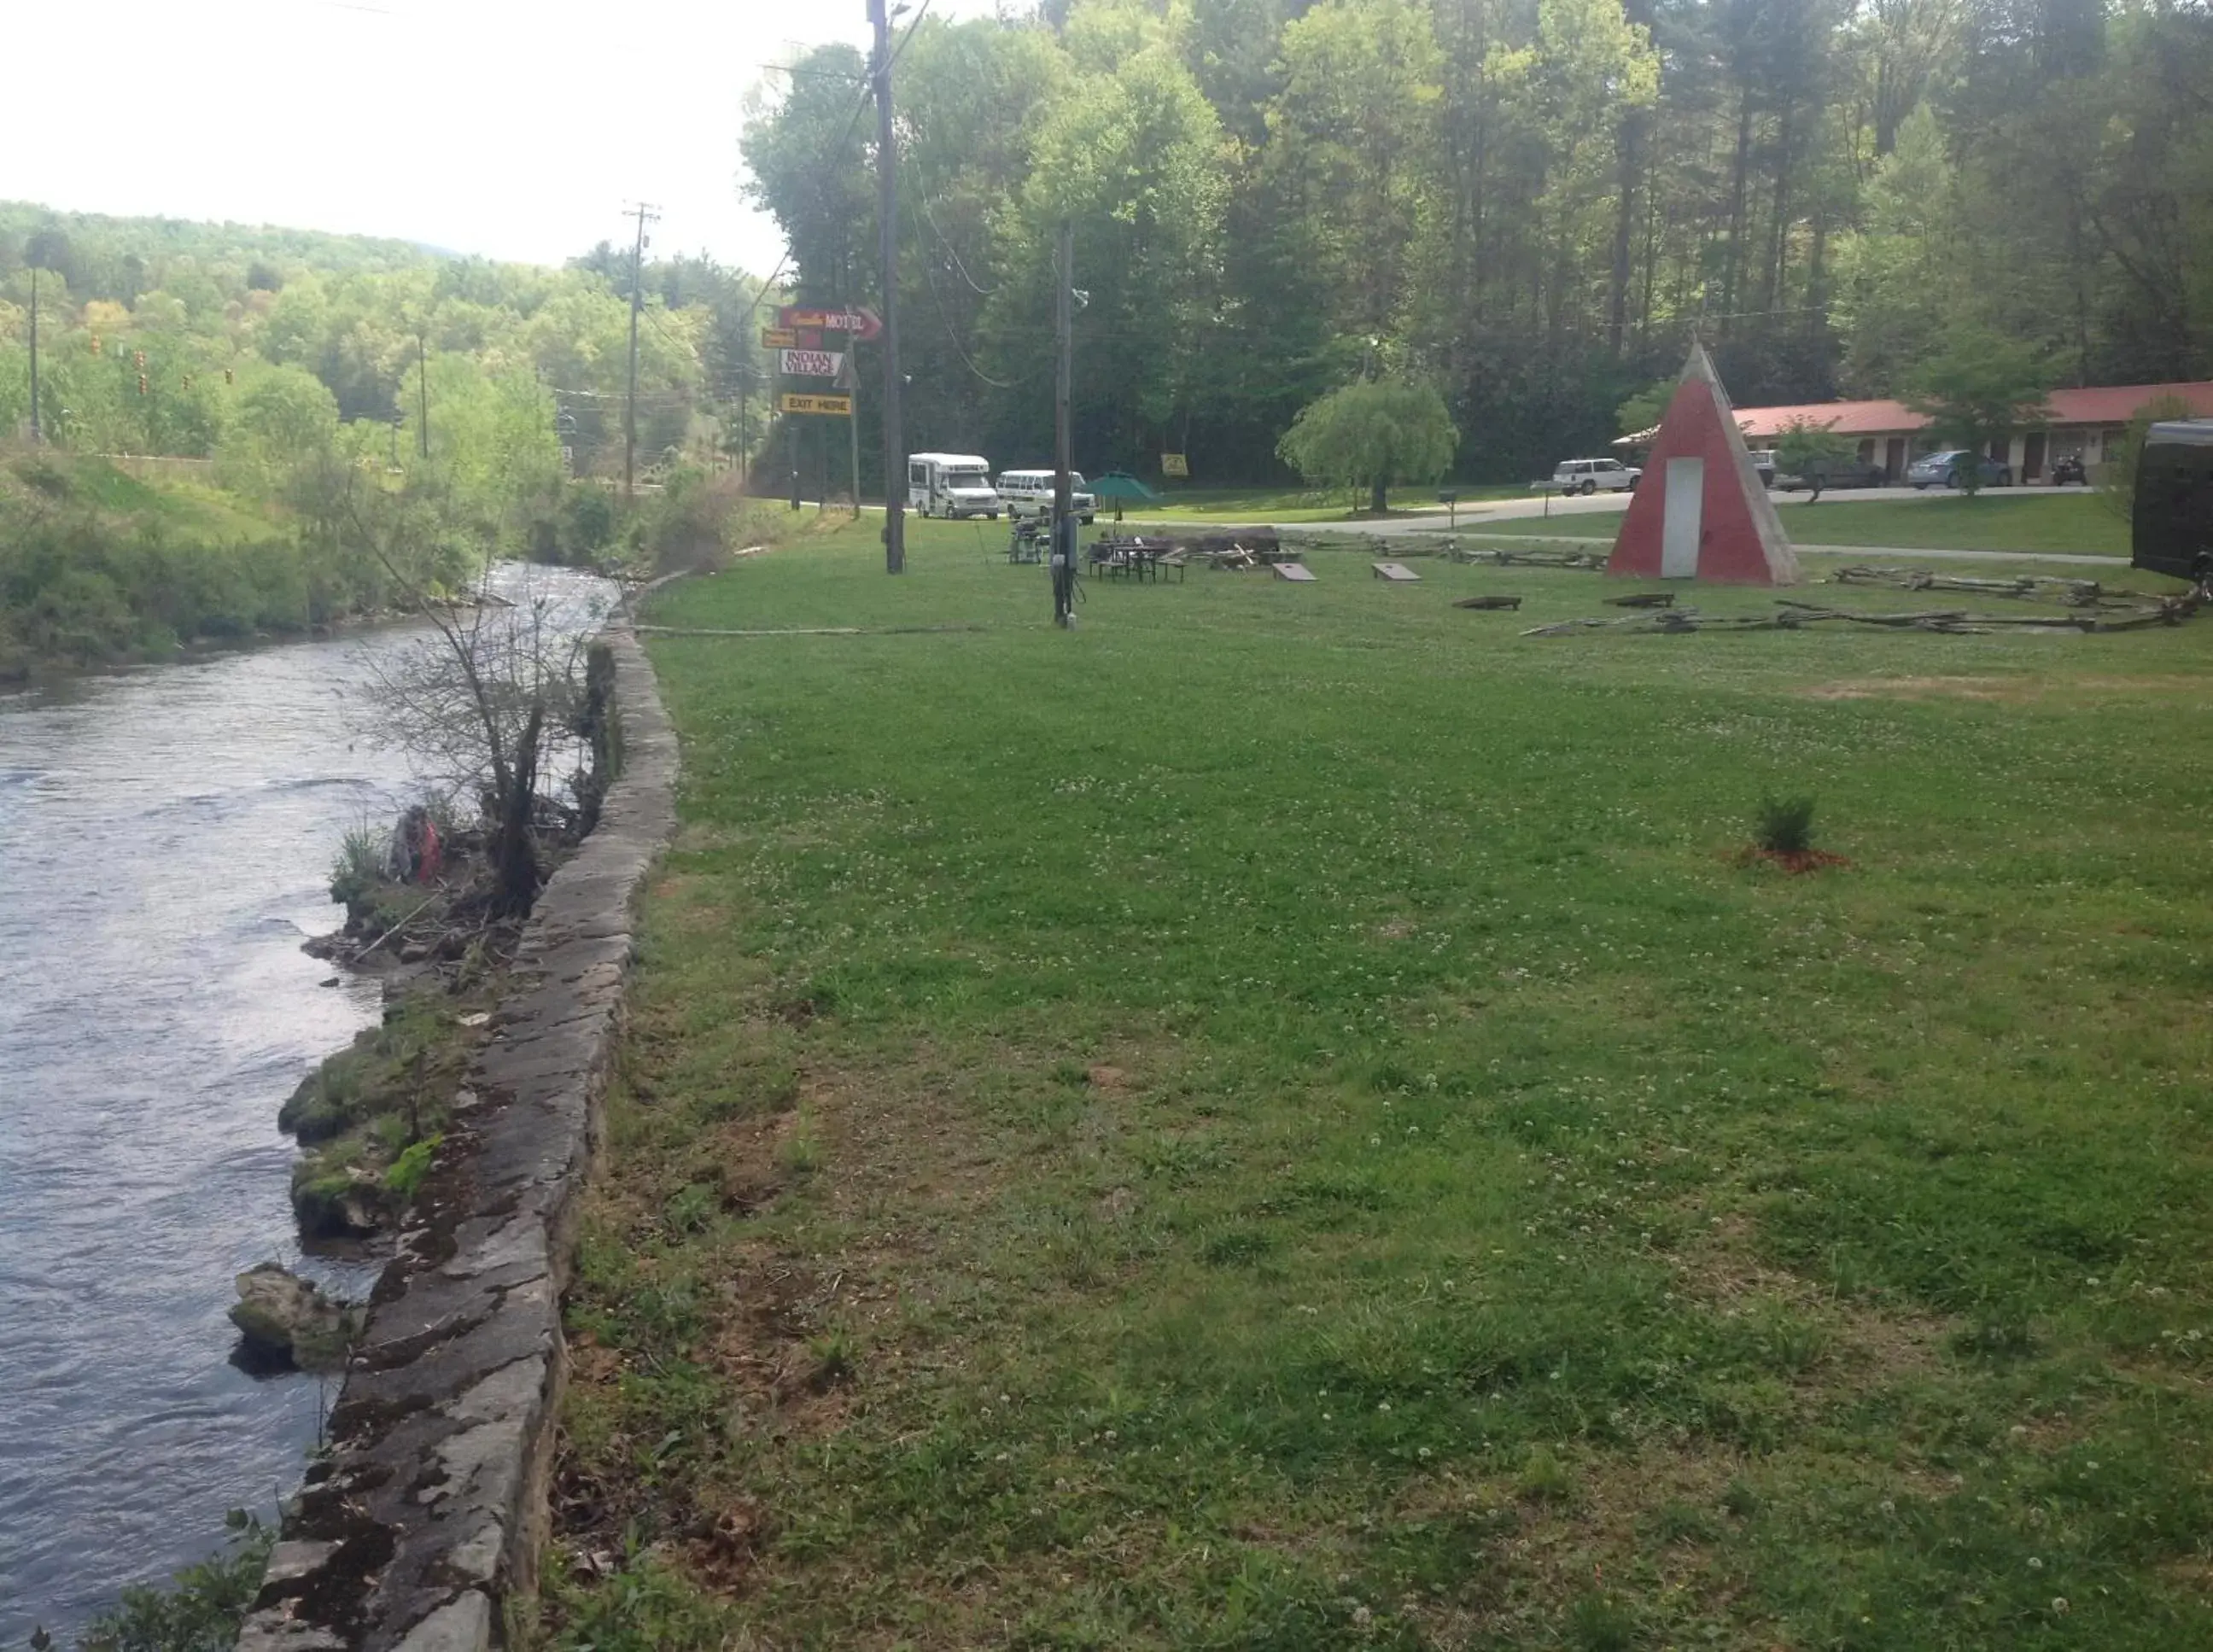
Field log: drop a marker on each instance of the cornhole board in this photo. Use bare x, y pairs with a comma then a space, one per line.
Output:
1298, 572
1397, 572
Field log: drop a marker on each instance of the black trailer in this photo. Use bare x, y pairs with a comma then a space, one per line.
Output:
2172, 516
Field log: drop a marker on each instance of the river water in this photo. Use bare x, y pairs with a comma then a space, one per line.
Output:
166, 838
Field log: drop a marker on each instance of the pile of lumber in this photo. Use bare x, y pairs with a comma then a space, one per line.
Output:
1511, 555
1957, 622
2034, 587
1240, 549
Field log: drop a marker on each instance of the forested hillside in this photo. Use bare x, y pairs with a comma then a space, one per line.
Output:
1528, 202
243, 344
334, 423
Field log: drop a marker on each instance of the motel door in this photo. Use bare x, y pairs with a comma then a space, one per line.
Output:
1894, 458
2031, 456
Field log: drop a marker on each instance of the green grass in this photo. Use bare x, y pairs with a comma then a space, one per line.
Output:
1281, 1120
1291, 504
2003, 519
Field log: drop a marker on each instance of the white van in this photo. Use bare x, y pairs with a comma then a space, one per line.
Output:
1030, 493
951, 485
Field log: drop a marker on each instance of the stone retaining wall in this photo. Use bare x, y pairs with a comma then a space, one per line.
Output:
429, 1509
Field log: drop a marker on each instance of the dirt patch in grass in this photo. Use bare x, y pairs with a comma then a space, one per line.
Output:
1797, 862
1654, 1523
2016, 691
1903, 688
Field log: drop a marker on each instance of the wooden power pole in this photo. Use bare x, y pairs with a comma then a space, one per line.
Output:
888, 229
1064, 500
34, 356
645, 214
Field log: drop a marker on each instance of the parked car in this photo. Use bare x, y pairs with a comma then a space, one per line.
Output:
1763, 460
1590, 475
2067, 467
1837, 474
1947, 470
1030, 493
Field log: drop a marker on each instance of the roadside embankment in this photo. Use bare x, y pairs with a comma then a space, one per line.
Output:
428, 1508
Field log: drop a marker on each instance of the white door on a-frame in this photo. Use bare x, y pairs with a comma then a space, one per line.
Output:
1683, 513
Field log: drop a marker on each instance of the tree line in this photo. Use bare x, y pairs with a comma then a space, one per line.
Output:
251, 347
1526, 205
365, 419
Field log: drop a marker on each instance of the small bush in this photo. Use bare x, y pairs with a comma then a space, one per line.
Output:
800, 1153
1784, 825
363, 854
406, 1175
202, 1608
1598, 1623
690, 1209
1544, 1478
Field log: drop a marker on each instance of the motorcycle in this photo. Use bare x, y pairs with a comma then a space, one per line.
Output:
2067, 467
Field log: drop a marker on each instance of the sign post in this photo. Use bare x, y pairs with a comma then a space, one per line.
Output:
797, 338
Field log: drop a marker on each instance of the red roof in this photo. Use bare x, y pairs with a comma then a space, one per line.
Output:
2111, 404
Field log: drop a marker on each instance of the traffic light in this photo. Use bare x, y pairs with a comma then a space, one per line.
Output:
141, 384
138, 360
226, 376
188, 381
95, 343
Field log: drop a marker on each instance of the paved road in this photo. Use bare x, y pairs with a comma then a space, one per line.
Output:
1862, 552
1478, 516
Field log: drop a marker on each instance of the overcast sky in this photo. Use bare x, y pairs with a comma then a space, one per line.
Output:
516, 129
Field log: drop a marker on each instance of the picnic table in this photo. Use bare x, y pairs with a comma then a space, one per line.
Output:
1136, 558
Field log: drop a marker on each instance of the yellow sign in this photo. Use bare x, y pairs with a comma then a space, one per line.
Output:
793, 402
1174, 464
779, 338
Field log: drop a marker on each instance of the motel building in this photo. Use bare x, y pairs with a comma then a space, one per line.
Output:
2088, 423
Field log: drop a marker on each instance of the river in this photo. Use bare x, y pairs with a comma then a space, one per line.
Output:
166, 837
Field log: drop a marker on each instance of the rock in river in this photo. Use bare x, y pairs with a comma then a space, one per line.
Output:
282, 1316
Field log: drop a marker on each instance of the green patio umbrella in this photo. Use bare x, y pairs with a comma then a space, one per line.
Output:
1120, 486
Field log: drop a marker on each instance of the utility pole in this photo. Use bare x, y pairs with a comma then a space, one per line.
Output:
1064, 502
851, 381
422, 394
887, 227
644, 212
35, 355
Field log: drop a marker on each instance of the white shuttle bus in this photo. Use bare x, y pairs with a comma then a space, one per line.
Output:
950, 484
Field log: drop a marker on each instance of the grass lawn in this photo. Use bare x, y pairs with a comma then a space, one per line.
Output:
1293, 504
1279, 1120
2072, 520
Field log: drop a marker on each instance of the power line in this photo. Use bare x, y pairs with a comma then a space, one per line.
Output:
922, 194
953, 339
644, 210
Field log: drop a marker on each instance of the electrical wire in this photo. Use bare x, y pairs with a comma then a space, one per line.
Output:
937, 301
922, 194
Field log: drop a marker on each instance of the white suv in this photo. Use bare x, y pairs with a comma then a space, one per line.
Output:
1590, 475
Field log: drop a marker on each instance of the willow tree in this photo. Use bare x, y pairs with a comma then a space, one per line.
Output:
1374, 435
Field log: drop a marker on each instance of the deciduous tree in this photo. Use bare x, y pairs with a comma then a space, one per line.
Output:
1372, 434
